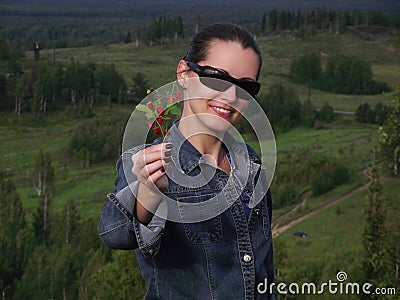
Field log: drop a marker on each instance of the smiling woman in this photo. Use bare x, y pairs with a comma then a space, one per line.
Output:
197, 205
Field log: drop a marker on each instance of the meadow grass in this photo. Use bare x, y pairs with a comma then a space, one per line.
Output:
335, 235
21, 140
344, 140
86, 187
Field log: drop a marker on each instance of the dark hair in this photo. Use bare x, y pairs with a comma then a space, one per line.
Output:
228, 32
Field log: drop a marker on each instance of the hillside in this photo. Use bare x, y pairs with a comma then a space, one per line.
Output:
158, 62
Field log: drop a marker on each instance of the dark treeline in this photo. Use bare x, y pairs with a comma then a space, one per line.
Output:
320, 19
48, 87
341, 74
63, 30
44, 87
63, 34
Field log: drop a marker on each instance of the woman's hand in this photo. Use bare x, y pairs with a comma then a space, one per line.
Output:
148, 167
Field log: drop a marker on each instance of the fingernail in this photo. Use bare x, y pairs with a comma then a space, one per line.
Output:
167, 159
168, 146
168, 153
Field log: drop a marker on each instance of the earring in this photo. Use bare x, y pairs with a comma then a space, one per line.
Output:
182, 82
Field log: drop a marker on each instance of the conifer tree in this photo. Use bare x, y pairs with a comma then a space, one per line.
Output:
13, 237
390, 134
375, 233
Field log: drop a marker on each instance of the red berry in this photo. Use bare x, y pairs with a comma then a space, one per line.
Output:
178, 95
150, 105
159, 110
170, 99
160, 121
149, 124
156, 130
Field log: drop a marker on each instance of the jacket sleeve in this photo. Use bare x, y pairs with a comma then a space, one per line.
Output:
118, 227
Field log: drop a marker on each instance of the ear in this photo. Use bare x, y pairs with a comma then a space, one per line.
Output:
181, 72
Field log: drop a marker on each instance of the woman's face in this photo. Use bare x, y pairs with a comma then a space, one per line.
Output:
214, 109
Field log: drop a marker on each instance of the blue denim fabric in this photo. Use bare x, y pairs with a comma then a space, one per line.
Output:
224, 257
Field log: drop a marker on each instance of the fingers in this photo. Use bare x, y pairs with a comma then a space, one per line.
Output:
153, 171
148, 163
153, 153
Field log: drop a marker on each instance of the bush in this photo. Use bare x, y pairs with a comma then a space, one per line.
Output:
95, 141
329, 175
302, 168
365, 114
284, 195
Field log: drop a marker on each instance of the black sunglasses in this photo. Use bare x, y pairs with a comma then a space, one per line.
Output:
207, 73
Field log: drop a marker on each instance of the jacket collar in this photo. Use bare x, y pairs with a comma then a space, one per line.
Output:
241, 156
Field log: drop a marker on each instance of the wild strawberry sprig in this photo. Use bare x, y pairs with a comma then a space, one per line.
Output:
160, 109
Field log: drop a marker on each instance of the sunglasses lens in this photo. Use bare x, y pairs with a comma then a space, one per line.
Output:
219, 80
243, 94
215, 84
248, 89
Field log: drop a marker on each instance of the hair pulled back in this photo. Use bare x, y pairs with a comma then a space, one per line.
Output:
227, 32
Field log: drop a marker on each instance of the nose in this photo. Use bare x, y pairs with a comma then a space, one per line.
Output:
229, 96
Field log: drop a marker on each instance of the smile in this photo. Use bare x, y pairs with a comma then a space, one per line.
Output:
222, 110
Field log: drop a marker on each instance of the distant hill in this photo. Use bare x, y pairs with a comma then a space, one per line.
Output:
66, 23
224, 10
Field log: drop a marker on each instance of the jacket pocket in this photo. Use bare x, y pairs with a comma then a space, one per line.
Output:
201, 217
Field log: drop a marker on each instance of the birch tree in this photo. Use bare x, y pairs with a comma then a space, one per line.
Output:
43, 178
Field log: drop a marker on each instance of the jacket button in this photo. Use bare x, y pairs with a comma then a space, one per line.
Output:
247, 258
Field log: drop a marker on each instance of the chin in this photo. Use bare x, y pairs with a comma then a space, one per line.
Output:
217, 124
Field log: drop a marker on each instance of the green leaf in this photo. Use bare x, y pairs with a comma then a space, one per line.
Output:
173, 109
142, 107
150, 115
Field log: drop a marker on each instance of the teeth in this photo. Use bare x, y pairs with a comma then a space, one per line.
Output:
222, 110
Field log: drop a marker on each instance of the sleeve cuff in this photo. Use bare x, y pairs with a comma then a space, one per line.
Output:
148, 236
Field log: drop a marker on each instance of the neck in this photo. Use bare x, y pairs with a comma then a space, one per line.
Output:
207, 143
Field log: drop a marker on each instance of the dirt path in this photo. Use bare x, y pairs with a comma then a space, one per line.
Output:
277, 223
277, 228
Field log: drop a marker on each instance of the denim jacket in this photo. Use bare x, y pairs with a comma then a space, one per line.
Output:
224, 257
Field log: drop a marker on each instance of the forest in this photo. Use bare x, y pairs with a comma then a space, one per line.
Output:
63, 113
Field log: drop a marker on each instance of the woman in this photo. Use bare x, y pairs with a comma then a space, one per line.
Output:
222, 246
